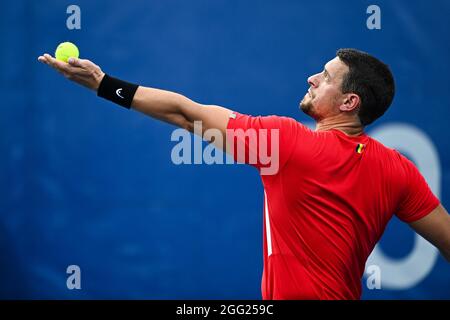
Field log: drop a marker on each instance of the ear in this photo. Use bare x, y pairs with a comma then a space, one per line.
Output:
351, 102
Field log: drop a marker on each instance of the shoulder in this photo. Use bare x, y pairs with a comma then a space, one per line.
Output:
382, 150
391, 159
268, 122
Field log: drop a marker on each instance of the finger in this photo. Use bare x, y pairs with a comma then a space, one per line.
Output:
58, 65
46, 56
75, 62
41, 59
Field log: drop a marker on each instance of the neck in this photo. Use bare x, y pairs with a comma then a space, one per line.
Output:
351, 126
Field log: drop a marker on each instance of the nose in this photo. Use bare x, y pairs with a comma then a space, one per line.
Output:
313, 81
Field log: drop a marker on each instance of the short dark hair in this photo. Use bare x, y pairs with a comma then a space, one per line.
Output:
371, 80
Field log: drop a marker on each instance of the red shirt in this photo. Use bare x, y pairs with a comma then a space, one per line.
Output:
327, 207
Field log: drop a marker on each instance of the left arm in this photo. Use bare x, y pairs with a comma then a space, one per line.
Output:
435, 227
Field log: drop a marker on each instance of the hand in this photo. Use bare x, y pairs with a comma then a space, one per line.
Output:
81, 71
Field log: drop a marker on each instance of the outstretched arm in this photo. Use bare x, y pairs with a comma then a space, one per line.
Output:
164, 105
435, 227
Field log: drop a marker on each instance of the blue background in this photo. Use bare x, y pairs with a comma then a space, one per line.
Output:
85, 182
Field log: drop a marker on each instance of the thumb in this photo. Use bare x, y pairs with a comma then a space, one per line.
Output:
74, 62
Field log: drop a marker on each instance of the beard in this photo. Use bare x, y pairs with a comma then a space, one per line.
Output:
306, 106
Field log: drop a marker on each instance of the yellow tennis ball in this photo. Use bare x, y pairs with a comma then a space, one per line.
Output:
66, 50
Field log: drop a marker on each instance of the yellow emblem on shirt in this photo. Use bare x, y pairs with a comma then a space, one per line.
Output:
359, 148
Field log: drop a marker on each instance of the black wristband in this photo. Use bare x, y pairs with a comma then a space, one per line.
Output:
117, 91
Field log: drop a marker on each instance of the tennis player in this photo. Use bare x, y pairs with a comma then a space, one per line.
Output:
335, 189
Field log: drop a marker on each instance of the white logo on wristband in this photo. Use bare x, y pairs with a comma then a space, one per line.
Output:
118, 91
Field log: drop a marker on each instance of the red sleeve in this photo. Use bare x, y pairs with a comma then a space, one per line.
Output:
264, 142
418, 199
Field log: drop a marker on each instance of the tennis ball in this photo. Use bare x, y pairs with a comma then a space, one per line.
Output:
66, 50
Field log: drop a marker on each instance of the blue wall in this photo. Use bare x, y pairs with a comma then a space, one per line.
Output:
87, 183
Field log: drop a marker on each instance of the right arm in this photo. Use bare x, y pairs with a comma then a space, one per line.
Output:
179, 110
163, 105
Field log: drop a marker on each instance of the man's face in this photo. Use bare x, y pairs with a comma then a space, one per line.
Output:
324, 95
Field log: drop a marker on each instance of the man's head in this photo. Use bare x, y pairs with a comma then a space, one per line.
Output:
353, 83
